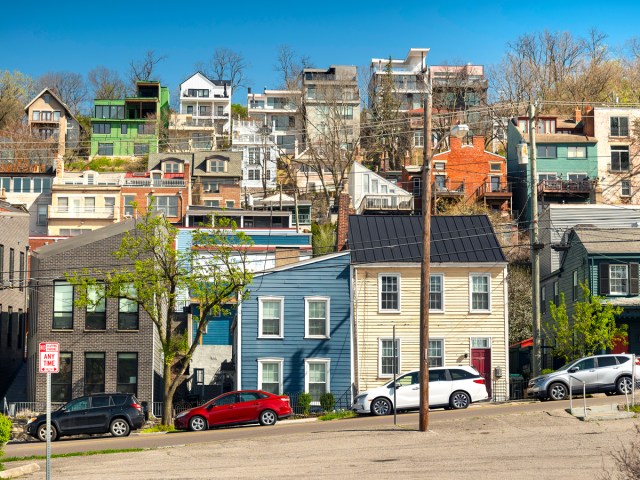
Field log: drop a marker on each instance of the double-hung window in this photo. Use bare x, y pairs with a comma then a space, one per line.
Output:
619, 126
619, 159
271, 317
94, 372
480, 288
128, 317
316, 315
436, 293
436, 352
625, 188
96, 314
127, 373
577, 152
270, 375
316, 377
386, 357
389, 293
62, 305
61, 381
618, 279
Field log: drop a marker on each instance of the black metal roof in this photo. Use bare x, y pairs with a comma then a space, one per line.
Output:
398, 238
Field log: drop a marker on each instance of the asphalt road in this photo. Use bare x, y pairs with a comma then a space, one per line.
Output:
286, 428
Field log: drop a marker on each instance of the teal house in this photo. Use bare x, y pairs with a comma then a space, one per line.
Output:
566, 163
130, 126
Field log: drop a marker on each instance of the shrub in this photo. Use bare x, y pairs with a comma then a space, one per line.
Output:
546, 371
327, 402
304, 402
5, 431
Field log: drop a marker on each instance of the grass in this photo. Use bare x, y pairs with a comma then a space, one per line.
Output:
633, 408
337, 415
74, 454
159, 428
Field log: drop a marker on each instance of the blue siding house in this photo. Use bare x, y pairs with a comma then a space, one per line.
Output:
294, 331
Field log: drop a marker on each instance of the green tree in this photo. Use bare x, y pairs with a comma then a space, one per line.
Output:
16, 90
323, 238
154, 273
592, 328
239, 111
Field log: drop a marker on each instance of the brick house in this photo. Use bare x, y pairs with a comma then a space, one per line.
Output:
463, 173
14, 249
216, 179
111, 347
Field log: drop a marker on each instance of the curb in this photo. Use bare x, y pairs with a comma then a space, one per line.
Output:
19, 471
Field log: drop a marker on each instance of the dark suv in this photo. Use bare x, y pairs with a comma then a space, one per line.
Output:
117, 413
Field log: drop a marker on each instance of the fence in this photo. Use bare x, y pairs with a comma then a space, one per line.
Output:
24, 409
517, 389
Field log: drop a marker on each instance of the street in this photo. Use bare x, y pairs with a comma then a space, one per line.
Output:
487, 441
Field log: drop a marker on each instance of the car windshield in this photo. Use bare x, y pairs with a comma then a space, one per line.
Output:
565, 367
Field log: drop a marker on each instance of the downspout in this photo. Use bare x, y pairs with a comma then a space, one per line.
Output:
505, 292
354, 344
239, 345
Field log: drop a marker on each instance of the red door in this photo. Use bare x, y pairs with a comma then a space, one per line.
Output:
481, 361
621, 345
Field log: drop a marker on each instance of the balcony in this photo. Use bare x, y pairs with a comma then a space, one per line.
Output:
448, 188
76, 212
154, 183
566, 186
386, 202
497, 191
192, 123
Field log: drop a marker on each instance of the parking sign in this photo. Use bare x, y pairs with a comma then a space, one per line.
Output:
49, 357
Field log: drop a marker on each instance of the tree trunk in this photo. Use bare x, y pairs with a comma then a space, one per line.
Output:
167, 396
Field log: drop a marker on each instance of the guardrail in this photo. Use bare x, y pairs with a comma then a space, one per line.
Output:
584, 394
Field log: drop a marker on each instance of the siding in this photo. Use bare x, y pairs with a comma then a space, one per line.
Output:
327, 278
456, 325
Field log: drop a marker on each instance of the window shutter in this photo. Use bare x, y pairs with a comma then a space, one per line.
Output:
633, 279
604, 279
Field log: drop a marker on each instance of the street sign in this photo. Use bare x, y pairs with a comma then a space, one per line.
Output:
49, 357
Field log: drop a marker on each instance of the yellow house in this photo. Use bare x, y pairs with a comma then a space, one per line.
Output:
468, 317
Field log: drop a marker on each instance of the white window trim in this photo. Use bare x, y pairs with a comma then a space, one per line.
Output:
260, 301
261, 361
327, 333
390, 339
441, 275
327, 362
389, 274
471, 339
444, 352
471, 309
626, 292
576, 173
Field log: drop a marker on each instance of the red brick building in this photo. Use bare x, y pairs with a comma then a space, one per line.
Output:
463, 173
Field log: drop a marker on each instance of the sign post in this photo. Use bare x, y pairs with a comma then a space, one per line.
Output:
49, 363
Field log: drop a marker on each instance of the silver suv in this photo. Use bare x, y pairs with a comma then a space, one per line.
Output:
598, 373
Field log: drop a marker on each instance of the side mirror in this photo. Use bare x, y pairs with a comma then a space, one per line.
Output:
573, 370
398, 386
210, 406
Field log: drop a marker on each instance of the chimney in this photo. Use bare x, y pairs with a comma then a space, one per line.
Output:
455, 143
344, 209
286, 256
578, 115
589, 125
59, 164
478, 142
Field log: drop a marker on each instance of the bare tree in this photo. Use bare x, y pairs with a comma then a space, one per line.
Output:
22, 150
69, 86
226, 64
144, 69
106, 83
16, 90
290, 66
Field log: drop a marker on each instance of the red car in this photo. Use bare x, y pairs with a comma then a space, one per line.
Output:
234, 408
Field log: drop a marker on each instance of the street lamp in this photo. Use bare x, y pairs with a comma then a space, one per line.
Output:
457, 131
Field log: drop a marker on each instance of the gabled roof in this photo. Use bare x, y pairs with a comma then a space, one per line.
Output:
233, 159
219, 83
54, 96
609, 241
398, 238
302, 263
85, 238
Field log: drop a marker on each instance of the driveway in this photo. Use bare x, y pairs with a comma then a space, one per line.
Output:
483, 444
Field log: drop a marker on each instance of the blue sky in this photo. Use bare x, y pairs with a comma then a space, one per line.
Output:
80, 36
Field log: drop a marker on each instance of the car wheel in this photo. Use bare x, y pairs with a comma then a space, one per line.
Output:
381, 406
623, 385
197, 424
42, 433
459, 400
119, 428
268, 418
558, 391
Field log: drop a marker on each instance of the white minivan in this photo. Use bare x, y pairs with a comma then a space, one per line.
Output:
449, 387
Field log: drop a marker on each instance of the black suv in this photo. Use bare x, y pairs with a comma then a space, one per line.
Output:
118, 413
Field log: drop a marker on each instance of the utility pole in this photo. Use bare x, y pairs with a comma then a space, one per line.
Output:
425, 266
535, 246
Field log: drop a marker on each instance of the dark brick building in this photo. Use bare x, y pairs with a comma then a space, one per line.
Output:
111, 347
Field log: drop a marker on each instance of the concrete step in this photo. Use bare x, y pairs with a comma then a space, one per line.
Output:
598, 413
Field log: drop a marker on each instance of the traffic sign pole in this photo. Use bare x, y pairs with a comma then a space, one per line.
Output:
48, 425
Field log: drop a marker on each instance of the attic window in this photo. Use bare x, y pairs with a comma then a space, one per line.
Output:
171, 167
217, 166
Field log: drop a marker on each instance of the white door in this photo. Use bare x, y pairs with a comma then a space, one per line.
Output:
408, 391
439, 387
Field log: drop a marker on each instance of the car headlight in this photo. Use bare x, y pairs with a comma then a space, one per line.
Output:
181, 414
31, 420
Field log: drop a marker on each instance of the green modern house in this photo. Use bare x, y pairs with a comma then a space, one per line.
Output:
566, 163
129, 127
